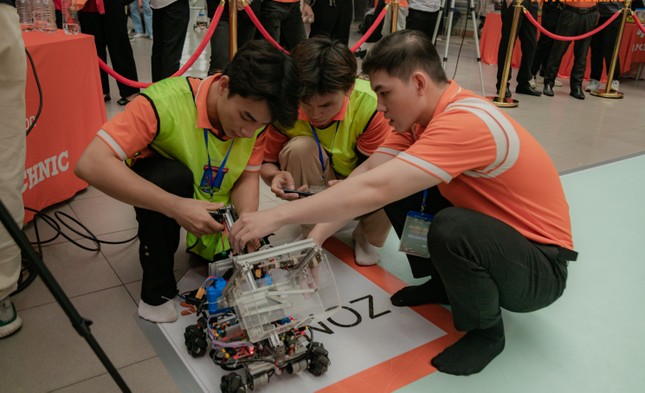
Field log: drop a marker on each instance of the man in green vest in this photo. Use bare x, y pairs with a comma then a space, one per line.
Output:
192, 146
337, 129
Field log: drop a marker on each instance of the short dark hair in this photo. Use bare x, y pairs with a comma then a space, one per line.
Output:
260, 71
402, 52
325, 66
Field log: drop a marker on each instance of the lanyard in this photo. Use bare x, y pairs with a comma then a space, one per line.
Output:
219, 176
423, 201
320, 150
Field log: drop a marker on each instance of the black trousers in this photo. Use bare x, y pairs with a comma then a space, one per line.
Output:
221, 38
550, 16
527, 34
110, 33
170, 24
159, 234
602, 48
332, 19
283, 21
422, 21
486, 265
572, 22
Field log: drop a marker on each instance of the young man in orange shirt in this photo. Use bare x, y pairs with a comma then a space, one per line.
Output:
500, 238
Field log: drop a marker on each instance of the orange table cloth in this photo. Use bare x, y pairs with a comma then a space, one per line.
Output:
72, 112
631, 51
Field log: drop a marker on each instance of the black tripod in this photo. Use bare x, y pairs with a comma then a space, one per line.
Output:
81, 325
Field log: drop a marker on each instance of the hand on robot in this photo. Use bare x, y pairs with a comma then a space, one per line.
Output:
193, 215
251, 226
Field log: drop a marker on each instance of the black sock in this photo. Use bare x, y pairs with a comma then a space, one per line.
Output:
429, 292
472, 352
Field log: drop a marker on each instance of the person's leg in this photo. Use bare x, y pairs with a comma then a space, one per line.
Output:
566, 26
271, 15
527, 33
586, 23
343, 21
135, 15
421, 21
293, 29
176, 25
156, 59
147, 17
300, 158
92, 24
12, 158
550, 15
220, 44
507, 22
433, 290
485, 265
597, 52
159, 238
370, 233
325, 18
118, 44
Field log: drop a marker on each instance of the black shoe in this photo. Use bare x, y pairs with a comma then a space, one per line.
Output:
527, 89
576, 92
548, 89
123, 101
106, 98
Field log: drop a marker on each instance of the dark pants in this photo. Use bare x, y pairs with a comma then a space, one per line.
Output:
159, 234
421, 21
332, 19
486, 265
170, 24
572, 22
602, 48
221, 38
550, 16
110, 33
527, 34
283, 21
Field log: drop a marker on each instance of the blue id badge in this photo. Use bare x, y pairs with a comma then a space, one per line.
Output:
414, 239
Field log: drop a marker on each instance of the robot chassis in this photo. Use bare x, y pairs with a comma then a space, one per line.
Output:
257, 310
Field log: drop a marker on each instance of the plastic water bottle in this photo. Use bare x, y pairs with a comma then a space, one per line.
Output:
70, 17
201, 23
25, 15
44, 15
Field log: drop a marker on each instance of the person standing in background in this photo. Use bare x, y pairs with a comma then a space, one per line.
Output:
333, 19
13, 79
170, 23
221, 39
422, 15
550, 15
284, 20
107, 22
602, 46
135, 14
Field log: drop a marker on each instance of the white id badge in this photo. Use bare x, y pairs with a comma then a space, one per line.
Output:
414, 240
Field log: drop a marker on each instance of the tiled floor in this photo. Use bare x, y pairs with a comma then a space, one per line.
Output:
601, 342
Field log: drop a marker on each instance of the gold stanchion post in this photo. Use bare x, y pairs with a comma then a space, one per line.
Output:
232, 26
500, 101
608, 92
395, 16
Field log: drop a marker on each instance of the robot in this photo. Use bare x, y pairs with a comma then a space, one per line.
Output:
254, 310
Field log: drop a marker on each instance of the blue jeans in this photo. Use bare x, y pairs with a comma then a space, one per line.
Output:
136, 17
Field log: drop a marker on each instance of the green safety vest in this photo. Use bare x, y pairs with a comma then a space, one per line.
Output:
179, 139
340, 137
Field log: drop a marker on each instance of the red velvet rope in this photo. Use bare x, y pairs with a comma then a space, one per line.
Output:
638, 22
261, 28
189, 63
564, 38
370, 30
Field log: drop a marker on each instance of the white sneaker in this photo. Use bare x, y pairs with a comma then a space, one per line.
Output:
593, 85
138, 35
557, 83
532, 82
10, 321
615, 85
163, 313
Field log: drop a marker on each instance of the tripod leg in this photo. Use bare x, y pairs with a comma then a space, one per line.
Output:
471, 6
451, 11
438, 22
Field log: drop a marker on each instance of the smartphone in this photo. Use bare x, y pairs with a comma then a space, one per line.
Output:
301, 193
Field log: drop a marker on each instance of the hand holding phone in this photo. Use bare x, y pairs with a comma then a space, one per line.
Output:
301, 193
